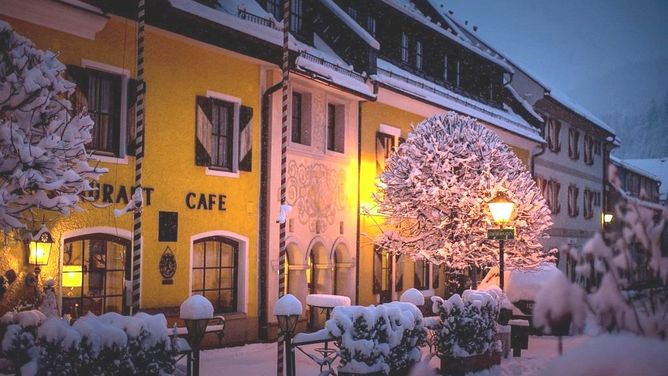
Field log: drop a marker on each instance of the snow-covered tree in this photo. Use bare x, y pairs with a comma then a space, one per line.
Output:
435, 189
622, 274
43, 160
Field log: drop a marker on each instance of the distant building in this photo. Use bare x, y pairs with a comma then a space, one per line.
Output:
659, 168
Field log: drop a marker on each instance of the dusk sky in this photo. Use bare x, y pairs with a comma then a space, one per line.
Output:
602, 53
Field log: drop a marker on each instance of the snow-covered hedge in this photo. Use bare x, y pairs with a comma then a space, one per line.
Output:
110, 344
377, 338
467, 324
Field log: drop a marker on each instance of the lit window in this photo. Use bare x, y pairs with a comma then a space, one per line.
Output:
215, 272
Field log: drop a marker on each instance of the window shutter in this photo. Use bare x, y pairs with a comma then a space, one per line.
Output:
245, 138
131, 126
557, 129
381, 152
203, 136
555, 191
435, 269
79, 98
399, 285
377, 272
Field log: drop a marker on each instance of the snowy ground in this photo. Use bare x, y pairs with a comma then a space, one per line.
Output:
260, 359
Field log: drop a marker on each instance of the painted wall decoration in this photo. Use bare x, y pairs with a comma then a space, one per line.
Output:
317, 193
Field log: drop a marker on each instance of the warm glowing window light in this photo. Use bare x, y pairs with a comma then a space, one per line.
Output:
71, 276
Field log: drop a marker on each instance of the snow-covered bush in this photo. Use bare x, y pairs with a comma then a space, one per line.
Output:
435, 190
377, 338
612, 265
43, 160
467, 324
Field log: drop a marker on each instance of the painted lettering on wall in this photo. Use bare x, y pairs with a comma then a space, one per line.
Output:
206, 201
120, 195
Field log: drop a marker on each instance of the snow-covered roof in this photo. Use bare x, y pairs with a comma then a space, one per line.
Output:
409, 9
524, 103
352, 24
393, 76
578, 109
626, 163
656, 166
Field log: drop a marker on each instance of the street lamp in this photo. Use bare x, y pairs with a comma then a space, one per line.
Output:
501, 208
196, 312
287, 311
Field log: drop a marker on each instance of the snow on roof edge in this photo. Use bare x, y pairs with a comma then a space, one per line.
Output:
634, 168
578, 109
524, 103
352, 24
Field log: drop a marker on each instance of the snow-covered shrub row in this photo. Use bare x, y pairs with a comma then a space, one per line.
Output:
110, 344
435, 189
624, 271
467, 324
377, 338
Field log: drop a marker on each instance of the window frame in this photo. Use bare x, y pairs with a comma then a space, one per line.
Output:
573, 207
305, 116
424, 270
275, 8
404, 51
419, 63
335, 137
212, 170
573, 143
236, 247
552, 131
297, 16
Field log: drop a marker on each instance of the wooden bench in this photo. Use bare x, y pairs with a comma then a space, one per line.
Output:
215, 325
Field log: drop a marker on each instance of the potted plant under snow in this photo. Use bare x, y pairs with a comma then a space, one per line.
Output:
466, 332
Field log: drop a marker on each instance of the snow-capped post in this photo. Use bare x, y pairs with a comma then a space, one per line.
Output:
435, 189
139, 157
287, 311
285, 66
502, 210
43, 159
196, 311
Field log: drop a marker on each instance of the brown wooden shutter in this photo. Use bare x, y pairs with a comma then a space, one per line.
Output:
555, 191
203, 133
245, 138
399, 283
79, 98
131, 122
557, 140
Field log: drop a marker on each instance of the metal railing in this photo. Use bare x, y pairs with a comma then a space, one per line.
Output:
248, 16
330, 65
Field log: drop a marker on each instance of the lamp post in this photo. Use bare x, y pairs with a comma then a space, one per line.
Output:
287, 311
501, 208
196, 312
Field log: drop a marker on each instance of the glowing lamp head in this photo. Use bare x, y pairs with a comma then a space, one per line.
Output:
71, 276
607, 218
501, 208
40, 247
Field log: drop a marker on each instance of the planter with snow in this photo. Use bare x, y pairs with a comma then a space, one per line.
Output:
466, 332
377, 340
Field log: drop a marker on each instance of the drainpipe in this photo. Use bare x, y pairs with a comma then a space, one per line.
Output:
541, 151
359, 170
265, 138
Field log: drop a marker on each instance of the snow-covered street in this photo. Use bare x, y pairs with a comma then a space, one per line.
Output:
260, 359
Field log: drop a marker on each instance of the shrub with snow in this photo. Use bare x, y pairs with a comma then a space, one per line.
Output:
624, 271
467, 324
43, 160
377, 338
435, 190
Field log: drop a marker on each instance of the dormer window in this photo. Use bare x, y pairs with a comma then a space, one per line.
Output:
451, 70
352, 12
296, 16
418, 55
404, 47
275, 7
371, 25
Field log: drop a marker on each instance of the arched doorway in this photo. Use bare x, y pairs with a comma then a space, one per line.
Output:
343, 266
104, 261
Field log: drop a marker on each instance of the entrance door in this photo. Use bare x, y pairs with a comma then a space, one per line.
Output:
104, 261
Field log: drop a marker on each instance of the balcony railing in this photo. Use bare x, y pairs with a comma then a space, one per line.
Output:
330, 65
248, 16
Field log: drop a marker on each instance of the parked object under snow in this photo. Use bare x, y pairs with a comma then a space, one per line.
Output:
435, 190
43, 160
380, 338
196, 307
326, 300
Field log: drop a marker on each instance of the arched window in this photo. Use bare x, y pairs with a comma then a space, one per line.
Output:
104, 261
215, 271
311, 274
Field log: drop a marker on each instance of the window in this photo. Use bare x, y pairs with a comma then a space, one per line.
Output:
573, 209
541, 183
215, 134
371, 25
384, 147
301, 119
215, 272
597, 147
352, 12
404, 47
597, 199
445, 68
552, 128
335, 128
296, 16
552, 196
105, 265
588, 204
382, 273
103, 96
418, 55
452, 70
588, 149
421, 275
573, 143
275, 7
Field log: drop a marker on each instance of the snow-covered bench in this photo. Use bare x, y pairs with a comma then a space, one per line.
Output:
216, 325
